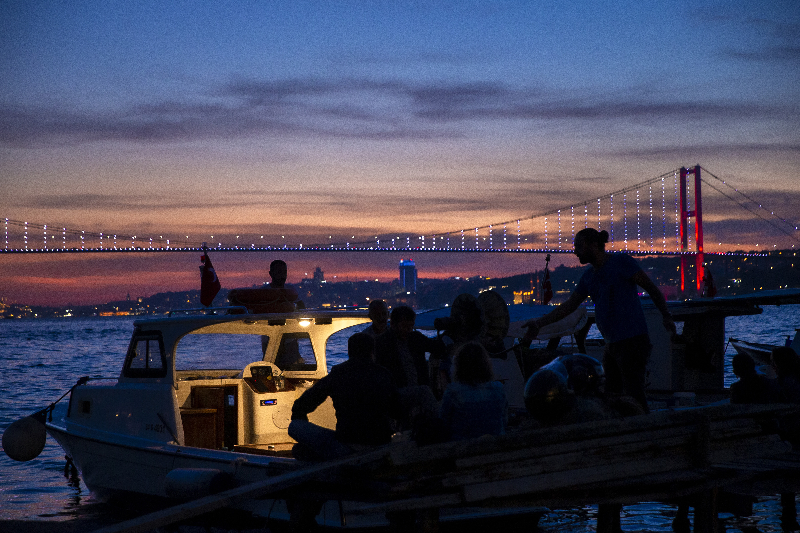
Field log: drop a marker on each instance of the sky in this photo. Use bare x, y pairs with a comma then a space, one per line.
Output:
356, 118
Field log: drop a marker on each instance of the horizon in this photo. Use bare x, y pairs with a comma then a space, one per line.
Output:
88, 282
173, 272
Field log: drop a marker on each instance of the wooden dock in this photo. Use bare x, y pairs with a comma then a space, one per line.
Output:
689, 454
655, 457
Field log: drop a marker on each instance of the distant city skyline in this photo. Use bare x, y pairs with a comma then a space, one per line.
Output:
367, 118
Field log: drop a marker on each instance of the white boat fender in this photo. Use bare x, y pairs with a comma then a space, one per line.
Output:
192, 483
24, 439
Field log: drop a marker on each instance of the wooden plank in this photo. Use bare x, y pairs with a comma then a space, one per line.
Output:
523, 438
573, 478
660, 451
583, 446
654, 487
223, 499
763, 445
511, 464
787, 463
433, 501
719, 416
731, 428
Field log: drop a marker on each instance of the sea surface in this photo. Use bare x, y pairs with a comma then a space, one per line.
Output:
40, 359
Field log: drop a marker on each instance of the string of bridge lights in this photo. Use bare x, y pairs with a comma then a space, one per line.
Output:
55, 238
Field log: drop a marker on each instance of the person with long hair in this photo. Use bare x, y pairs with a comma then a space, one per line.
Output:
474, 404
612, 281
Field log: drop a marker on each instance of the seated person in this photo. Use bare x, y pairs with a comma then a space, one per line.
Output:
787, 366
274, 298
401, 350
474, 404
365, 400
752, 387
379, 315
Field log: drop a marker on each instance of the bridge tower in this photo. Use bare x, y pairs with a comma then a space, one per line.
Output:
686, 214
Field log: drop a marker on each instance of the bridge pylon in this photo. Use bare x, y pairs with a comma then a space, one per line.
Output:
686, 214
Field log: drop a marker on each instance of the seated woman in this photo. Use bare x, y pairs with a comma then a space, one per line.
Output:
474, 404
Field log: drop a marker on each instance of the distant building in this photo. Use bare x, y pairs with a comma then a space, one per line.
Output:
408, 275
319, 276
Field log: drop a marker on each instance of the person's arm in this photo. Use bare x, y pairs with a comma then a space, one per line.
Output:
644, 281
561, 311
311, 399
446, 407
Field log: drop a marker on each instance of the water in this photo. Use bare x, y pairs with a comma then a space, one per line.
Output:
41, 359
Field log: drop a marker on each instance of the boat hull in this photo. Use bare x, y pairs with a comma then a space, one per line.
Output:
111, 467
761, 353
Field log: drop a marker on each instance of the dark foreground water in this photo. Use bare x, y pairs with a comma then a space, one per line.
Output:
42, 359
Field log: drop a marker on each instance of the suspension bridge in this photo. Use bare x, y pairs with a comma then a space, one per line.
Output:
659, 216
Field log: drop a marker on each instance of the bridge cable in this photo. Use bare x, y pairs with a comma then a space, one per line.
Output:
749, 209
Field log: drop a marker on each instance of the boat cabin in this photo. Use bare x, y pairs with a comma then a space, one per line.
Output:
214, 381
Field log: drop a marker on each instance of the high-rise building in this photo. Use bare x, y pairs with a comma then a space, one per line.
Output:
408, 275
319, 276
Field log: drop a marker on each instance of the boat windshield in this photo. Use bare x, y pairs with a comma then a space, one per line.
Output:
217, 351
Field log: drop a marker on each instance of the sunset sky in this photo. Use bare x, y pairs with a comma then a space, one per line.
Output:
314, 119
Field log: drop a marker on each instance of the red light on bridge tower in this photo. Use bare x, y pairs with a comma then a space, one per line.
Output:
697, 213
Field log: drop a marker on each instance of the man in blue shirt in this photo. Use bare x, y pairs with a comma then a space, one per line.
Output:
612, 283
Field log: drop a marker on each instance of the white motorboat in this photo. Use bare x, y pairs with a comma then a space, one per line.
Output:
762, 352
203, 404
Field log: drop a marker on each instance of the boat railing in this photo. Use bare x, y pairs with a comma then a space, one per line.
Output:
240, 310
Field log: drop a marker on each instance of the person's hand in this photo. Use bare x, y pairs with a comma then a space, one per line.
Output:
533, 331
669, 325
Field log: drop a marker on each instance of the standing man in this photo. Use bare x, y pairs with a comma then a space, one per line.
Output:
612, 283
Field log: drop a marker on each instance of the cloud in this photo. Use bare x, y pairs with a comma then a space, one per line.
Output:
710, 150
751, 231
344, 108
779, 39
789, 53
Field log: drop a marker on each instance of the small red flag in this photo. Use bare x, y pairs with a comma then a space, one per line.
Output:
547, 287
209, 282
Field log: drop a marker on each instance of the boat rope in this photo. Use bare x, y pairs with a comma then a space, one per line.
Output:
47, 412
